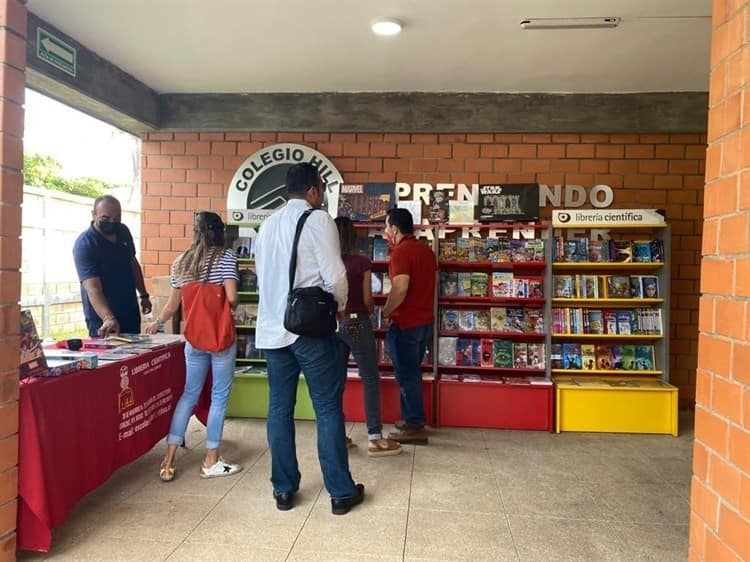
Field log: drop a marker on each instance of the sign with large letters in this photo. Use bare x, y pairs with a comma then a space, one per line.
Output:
258, 186
603, 218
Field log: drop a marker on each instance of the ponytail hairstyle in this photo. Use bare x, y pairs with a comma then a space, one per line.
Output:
206, 249
347, 236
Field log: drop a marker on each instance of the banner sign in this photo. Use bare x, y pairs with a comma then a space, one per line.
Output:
509, 202
603, 218
258, 186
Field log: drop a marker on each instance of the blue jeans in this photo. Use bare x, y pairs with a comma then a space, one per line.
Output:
355, 335
222, 373
318, 359
407, 348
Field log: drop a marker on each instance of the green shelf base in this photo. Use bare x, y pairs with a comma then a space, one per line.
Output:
249, 398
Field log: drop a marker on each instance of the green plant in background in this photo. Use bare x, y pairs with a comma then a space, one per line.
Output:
45, 172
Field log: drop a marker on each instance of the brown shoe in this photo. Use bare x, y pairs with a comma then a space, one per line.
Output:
399, 424
383, 448
410, 435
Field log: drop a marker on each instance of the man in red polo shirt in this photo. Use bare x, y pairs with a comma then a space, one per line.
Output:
411, 308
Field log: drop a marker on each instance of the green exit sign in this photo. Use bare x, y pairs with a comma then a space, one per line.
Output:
55, 51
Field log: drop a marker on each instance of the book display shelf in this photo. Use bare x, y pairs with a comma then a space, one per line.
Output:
492, 369
249, 396
609, 355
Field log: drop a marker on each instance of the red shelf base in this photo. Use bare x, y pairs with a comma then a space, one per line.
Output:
390, 404
495, 406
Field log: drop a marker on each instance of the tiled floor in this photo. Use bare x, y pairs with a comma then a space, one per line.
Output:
469, 495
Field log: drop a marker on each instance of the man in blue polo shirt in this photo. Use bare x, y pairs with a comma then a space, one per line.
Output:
109, 273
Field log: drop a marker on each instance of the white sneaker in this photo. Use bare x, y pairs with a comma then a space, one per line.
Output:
220, 468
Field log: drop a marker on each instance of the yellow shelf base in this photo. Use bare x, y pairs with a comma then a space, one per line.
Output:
649, 406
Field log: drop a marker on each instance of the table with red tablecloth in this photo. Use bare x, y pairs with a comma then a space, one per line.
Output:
77, 429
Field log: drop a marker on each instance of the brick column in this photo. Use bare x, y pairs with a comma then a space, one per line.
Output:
720, 496
12, 85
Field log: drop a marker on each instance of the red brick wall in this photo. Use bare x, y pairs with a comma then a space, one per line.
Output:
185, 172
720, 504
12, 84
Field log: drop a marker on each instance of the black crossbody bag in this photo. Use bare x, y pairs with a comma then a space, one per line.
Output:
310, 311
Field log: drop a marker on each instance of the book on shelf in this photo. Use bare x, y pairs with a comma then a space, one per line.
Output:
598, 251
32, 361
502, 353
482, 320
438, 211
615, 357
447, 250
464, 249
644, 358
520, 355
244, 247
588, 356
657, 251
498, 318
603, 358
449, 319
571, 353
563, 287
248, 280
467, 352
618, 286
415, 208
628, 357
596, 322
464, 284
642, 251
478, 284
534, 321
515, 320
624, 322
502, 284
610, 321
461, 212
379, 249
649, 286
447, 350
487, 351
466, 320
556, 356
621, 251
479, 247
448, 283
508, 202
536, 355
365, 245
366, 201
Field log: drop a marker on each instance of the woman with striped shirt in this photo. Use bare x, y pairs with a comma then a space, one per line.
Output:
207, 261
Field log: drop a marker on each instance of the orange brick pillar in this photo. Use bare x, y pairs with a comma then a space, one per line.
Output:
720, 496
12, 85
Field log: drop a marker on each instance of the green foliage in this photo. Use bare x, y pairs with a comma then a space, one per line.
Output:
44, 171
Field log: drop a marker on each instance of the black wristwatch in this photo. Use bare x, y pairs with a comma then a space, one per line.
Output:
144, 296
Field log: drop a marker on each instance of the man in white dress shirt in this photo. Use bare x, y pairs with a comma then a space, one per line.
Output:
318, 264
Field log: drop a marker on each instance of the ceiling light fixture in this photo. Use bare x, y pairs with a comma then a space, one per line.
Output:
386, 26
569, 23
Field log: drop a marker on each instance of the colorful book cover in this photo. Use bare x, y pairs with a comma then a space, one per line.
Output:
624, 322
376, 282
628, 357
644, 358
518, 251
620, 251
598, 251
464, 284
502, 284
615, 357
642, 251
536, 356
555, 356
414, 207
466, 320
636, 288
461, 212
447, 350
482, 320
536, 289
478, 284
618, 287
535, 321
503, 353
464, 352
479, 247
515, 320
32, 360
570, 247
503, 250
448, 283
520, 355
498, 316
603, 357
563, 287
447, 250
596, 322
491, 248
657, 251
464, 249
449, 320
487, 353
588, 356
582, 250
379, 249
650, 286
520, 288
572, 356
366, 201
365, 245
534, 249
508, 202
438, 206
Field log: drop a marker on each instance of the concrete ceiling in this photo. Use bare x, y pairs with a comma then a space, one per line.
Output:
249, 46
